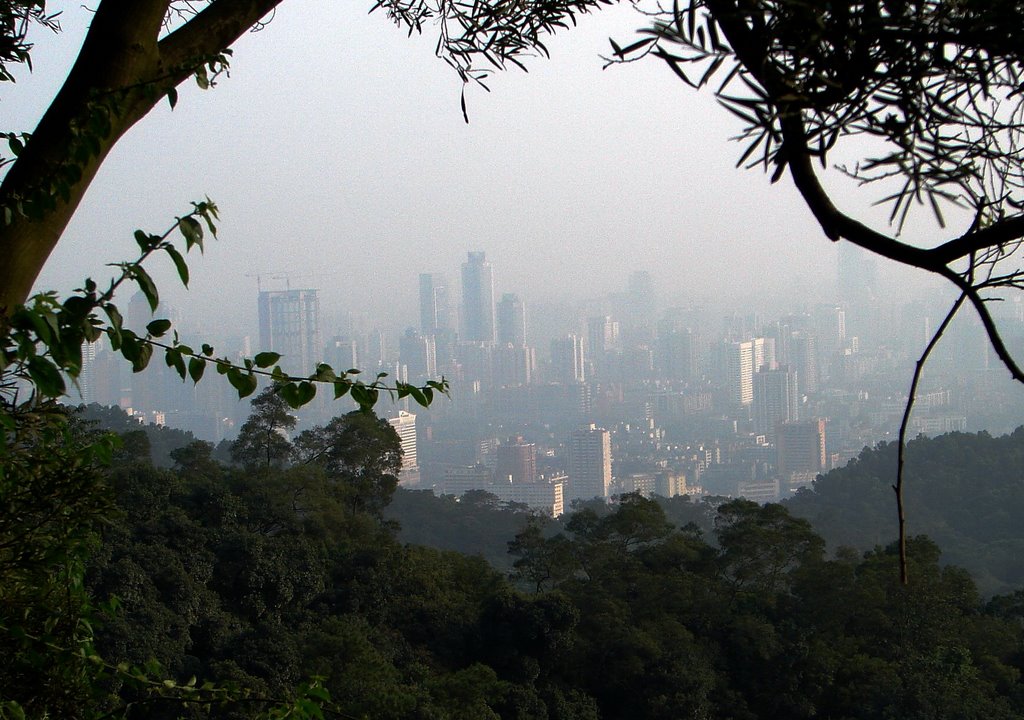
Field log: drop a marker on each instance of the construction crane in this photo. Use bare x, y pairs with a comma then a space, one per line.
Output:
287, 277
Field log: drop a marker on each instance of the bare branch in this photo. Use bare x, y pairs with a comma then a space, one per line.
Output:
902, 442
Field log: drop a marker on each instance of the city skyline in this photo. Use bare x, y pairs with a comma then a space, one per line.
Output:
560, 176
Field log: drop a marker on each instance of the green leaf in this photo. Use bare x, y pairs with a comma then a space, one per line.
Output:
158, 328
192, 231
419, 397
324, 373
172, 97
142, 360
103, 450
289, 392
266, 359
365, 396
142, 239
13, 710
46, 377
179, 263
116, 321
307, 391
147, 286
174, 359
129, 345
196, 367
244, 383
341, 388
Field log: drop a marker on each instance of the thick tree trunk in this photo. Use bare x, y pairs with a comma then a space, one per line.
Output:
122, 71
64, 153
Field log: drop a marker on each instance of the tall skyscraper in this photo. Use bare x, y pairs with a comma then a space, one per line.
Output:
739, 373
511, 314
602, 343
290, 325
590, 463
678, 355
417, 353
478, 299
602, 334
775, 400
435, 305
567, 361
764, 353
803, 357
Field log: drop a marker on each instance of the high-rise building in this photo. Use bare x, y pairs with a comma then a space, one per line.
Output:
775, 400
803, 357
461, 479
678, 355
567, 361
546, 495
435, 306
590, 463
513, 365
405, 426
511, 329
478, 299
516, 462
801, 448
602, 334
764, 353
739, 373
418, 355
602, 343
342, 353
290, 326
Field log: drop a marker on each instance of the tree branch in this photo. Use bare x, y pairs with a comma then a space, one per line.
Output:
749, 49
44, 186
902, 446
212, 30
975, 240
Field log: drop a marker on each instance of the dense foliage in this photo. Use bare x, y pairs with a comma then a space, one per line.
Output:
963, 491
263, 576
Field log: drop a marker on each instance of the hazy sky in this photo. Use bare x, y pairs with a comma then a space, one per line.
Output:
337, 153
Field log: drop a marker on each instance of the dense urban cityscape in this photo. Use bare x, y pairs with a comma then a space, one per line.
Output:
619, 394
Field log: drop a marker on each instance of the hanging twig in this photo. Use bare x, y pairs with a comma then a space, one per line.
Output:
901, 451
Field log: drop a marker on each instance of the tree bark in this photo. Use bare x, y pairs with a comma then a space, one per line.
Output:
122, 71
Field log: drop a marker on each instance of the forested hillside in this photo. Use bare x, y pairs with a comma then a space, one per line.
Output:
964, 491
283, 567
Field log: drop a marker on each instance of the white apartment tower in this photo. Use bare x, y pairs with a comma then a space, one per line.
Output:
739, 369
405, 426
590, 463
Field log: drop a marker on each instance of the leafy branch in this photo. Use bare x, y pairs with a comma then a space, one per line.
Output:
309, 700
42, 342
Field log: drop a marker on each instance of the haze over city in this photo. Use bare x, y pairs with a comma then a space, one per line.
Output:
339, 157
